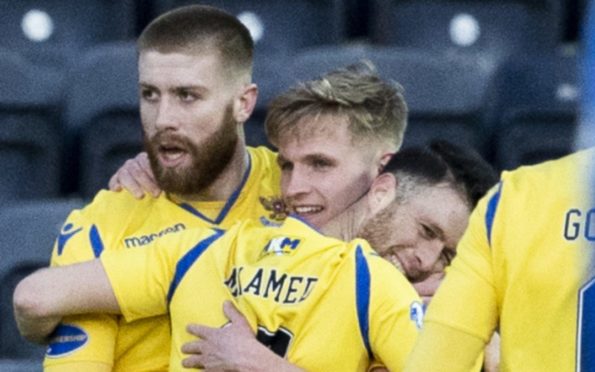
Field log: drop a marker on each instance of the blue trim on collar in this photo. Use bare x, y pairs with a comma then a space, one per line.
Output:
491, 212
228, 204
302, 220
362, 296
189, 259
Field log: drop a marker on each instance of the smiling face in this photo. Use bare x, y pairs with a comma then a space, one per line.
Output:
419, 234
322, 171
186, 106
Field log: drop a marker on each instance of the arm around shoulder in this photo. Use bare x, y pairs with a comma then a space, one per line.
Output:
44, 297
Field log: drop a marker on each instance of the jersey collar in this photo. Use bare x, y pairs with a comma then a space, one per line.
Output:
228, 204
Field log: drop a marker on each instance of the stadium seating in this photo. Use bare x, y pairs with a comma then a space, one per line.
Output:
30, 134
273, 76
281, 26
498, 28
27, 234
51, 32
538, 106
102, 112
444, 93
20, 365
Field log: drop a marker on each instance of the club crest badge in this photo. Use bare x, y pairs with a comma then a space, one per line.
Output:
275, 205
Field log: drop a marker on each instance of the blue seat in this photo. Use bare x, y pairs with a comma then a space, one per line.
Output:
498, 28
281, 26
27, 234
538, 117
21, 365
273, 76
102, 112
444, 93
30, 131
52, 32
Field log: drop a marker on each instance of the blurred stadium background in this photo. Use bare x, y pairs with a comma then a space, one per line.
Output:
500, 76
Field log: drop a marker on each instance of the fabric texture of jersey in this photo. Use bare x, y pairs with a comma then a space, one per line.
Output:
525, 267
117, 221
324, 304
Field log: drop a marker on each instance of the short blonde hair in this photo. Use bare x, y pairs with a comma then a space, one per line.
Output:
376, 109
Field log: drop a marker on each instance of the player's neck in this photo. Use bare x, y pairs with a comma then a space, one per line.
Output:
227, 182
346, 225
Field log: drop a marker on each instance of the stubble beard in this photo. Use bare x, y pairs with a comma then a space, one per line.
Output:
207, 163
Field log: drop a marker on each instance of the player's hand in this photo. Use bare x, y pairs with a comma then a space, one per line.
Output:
135, 176
427, 287
231, 348
221, 348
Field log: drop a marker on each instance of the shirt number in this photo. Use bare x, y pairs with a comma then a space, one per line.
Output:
277, 341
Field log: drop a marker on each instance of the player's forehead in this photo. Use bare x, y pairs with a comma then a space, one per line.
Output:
322, 135
443, 207
177, 69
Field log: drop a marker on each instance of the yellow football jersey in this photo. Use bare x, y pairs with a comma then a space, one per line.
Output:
117, 221
525, 266
324, 304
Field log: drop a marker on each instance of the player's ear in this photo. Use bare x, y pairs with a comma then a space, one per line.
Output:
245, 102
382, 192
384, 159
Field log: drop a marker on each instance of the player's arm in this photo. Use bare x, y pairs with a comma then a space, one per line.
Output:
233, 347
396, 315
441, 348
44, 297
81, 238
136, 176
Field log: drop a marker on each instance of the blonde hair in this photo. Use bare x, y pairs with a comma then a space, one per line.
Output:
375, 109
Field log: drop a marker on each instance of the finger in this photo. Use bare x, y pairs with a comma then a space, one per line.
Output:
129, 183
233, 314
141, 170
192, 347
143, 161
200, 330
193, 361
114, 183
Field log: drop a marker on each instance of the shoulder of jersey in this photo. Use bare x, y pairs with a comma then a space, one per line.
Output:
120, 203
564, 169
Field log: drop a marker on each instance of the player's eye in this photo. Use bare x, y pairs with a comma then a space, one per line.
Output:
285, 166
148, 94
187, 96
447, 255
428, 232
320, 163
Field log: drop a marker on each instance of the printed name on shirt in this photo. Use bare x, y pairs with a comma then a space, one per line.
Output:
271, 284
579, 223
137, 241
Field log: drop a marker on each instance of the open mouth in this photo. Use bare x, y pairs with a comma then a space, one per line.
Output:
307, 210
171, 155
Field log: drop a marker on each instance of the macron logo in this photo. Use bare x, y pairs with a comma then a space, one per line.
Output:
65, 236
138, 241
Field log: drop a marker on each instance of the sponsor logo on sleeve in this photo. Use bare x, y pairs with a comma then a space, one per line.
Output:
65, 340
416, 314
